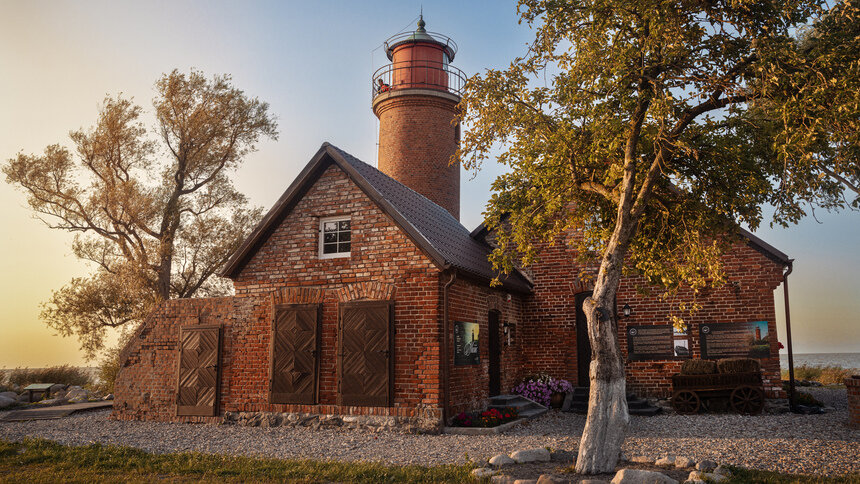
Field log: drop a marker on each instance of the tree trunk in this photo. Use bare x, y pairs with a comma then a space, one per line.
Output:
606, 424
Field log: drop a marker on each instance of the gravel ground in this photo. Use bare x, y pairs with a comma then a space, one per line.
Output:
807, 444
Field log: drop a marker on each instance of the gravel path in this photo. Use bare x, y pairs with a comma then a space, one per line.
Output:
808, 444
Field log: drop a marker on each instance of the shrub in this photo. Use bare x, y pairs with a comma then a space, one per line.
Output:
65, 374
541, 387
826, 375
108, 369
487, 418
738, 365
698, 367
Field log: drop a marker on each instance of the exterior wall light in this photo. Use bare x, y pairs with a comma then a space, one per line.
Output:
626, 310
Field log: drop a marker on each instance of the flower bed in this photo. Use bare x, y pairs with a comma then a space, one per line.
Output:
540, 388
487, 418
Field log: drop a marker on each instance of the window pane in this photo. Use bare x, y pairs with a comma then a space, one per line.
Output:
343, 247
329, 237
330, 226
343, 236
344, 225
329, 248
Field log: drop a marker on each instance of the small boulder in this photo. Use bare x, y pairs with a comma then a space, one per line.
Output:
593, 481
642, 459
531, 455
667, 461
501, 460
12, 395
525, 481
502, 480
77, 394
696, 476
684, 462
7, 402
565, 456
53, 401
639, 476
710, 477
706, 465
550, 479
481, 472
723, 471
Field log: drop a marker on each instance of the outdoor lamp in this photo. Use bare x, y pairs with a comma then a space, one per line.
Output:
627, 310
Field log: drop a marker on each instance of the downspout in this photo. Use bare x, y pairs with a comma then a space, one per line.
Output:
788, 336
445, 325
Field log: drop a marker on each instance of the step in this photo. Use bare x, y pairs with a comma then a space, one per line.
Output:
499, 399
638, 403
533, 412
519, 404
644, 412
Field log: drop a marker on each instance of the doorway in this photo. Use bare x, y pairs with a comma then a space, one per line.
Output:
583, 344
495, 354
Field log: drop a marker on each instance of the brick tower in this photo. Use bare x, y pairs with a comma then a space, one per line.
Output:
415, 98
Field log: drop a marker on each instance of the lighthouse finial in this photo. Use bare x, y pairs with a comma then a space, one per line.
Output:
421, 23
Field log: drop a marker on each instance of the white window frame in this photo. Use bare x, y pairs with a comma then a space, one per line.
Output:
321, 237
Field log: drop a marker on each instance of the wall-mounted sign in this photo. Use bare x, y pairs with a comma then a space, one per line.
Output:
735, 340
466, 348
654, 342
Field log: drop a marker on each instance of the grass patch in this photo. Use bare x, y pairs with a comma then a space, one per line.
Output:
826, 375
43, 461
751, 476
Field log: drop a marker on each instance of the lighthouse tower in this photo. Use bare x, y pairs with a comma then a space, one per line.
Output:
415, 98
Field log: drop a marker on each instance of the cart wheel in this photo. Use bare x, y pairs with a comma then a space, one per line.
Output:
686, 402
747, 400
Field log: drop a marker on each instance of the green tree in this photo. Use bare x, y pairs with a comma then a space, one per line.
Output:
156, 213
645, 132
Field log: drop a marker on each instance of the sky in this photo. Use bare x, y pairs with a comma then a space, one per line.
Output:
312, 62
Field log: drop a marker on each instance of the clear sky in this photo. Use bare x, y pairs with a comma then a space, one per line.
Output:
312, 61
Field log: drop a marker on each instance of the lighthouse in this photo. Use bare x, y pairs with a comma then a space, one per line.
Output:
415, 98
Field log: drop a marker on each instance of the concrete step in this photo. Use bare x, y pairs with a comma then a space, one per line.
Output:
644, 412
533, 412
524, 407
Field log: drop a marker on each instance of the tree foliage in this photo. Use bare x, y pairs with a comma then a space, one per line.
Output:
645, 132
155, 212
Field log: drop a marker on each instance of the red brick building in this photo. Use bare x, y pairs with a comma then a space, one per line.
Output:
361, 294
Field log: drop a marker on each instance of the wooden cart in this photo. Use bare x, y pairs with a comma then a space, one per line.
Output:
744, 391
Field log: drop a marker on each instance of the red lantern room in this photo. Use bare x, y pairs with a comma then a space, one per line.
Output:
415, 98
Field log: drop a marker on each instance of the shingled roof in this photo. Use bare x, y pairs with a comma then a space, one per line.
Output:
435, 231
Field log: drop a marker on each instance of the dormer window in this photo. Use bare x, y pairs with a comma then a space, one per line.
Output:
335, 237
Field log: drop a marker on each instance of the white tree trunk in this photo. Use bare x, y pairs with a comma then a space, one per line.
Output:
606, 424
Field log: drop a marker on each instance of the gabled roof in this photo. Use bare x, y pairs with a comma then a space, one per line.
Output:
435, 231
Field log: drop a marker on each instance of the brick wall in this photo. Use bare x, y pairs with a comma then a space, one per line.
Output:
416, 142
384, 264
471, 302
552, 317
852, 386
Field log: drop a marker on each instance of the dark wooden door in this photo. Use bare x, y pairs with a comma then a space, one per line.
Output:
364, 357
495, 354
583, 344
197, 385
294, 355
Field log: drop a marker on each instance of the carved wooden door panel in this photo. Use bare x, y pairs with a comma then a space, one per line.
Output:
294, 363
198, 382
364, 357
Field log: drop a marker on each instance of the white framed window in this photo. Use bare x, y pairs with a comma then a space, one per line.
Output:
335, 237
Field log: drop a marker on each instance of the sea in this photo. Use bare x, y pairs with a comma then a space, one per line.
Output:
844, 360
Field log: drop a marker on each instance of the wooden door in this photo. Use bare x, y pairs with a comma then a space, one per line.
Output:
495, 354
199, 373
364, 356
294, 354
583, 344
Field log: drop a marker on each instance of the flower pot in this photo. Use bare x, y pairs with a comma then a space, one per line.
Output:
556, 400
